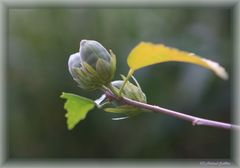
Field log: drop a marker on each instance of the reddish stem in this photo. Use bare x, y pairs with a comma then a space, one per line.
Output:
192, 119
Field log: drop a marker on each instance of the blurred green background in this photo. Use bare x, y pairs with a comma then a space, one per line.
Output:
40, 41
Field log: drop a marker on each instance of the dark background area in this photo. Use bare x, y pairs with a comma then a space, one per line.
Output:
40, 41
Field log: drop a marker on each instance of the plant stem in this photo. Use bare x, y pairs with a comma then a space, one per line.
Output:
130, 72
192, 119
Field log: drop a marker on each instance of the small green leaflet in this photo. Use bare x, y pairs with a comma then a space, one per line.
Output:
77, 108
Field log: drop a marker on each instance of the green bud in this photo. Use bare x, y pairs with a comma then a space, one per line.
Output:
93, 66
91, 51
74, 61
130, 91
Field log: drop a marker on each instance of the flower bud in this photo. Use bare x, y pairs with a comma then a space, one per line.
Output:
74, 61
91, 51
93, 66
130, 91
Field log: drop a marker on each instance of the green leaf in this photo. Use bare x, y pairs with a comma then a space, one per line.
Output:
77, 108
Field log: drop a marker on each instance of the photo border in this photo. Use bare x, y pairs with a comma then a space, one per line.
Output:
5, 5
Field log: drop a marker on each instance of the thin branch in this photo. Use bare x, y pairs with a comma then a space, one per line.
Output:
192, 119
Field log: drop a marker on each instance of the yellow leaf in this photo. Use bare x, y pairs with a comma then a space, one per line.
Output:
145, 54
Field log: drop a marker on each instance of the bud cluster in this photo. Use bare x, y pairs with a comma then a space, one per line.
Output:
93, 66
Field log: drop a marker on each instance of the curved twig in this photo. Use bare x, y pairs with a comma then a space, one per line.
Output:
192, 119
